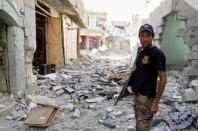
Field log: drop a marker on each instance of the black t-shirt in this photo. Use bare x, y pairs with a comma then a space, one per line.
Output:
144, 78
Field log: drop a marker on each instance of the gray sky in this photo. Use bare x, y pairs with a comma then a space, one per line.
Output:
120, 9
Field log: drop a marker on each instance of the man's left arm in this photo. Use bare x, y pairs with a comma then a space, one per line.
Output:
160, 90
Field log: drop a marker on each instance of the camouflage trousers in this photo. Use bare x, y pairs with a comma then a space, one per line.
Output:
142, 112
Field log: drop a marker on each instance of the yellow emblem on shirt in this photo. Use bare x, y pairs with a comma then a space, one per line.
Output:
145, 60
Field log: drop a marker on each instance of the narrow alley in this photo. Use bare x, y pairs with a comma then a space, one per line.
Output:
64, 63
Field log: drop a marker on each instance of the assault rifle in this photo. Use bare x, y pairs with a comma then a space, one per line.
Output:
124, 92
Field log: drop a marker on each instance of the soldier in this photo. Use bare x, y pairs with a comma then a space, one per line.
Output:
149, 65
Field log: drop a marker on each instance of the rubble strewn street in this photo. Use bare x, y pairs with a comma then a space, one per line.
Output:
85, 97
65, 64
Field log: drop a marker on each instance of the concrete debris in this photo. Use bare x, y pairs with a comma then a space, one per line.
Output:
193, 83
92, 107
51, 76
60, 92
86, 95
107, 123
96, 99
31, 106
55, 88
42, 81
118, 113
66, 77
98, 87
76, 113
109, 109
44, 100
68, 107
69, 90
182, 120
190, 96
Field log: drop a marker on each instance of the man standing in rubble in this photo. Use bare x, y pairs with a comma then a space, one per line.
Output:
149, 65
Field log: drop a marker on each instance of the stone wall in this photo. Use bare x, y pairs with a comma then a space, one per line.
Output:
185, 10
19, 15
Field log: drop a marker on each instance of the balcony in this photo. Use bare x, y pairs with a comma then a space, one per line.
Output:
72, 8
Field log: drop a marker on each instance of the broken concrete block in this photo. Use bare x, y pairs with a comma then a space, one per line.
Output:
109, 109
107, 123
55, 88
86, 92
41, 81
44, 100
110, 116
60, 92
69, 90
92, 107
96, 99
68, 107
118, 113
9, 117
98, 87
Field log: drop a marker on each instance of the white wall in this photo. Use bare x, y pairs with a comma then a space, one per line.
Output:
70, 38
91, 19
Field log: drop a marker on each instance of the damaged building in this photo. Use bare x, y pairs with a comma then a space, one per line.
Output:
93, 35
176, 25
57, 26
17, 45
36, 32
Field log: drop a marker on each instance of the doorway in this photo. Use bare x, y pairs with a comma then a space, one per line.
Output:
40, 53
4, 85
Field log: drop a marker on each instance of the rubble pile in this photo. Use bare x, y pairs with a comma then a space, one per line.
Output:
85, 98
119, 48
